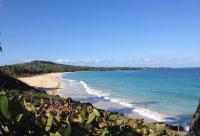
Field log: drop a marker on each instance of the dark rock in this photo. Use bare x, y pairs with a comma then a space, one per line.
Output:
195, 124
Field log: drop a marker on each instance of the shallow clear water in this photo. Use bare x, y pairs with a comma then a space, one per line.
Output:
173, 93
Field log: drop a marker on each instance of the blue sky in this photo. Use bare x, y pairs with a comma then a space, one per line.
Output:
101, 32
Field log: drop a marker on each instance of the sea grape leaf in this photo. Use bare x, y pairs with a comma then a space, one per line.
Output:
28, 106
66, 131
133, 123
56, 120
80, 118
55, 134
144, 131
152, 134
120, 121
90, 118
151, 131
49, 123
138, 131
84, 115
4, 107
18, 117
5, 128
104, 132
160, 127
96, 112
127, 134
44, 120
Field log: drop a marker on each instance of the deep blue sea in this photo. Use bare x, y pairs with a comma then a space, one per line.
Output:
163, 95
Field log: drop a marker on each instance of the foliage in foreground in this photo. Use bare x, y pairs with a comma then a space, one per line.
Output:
9, 83
40, 114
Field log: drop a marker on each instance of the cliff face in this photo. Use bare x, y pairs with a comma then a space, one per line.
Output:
195, 125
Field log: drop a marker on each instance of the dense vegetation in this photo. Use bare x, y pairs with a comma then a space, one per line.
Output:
29, 113
9, 83
40, 67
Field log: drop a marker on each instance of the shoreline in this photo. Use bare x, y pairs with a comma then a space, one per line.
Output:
54, 84
80, 91
48, 82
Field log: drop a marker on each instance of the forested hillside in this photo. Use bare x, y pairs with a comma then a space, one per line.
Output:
41, 67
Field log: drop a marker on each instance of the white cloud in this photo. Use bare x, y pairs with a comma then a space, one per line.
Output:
197, 60
28, 60
149, 61
86, 62
60, 61
181, 61
66, 60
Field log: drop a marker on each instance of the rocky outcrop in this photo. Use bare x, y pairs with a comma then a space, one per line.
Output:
195, 125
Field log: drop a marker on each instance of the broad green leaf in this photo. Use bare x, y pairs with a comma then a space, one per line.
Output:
138, 131
104, 132
55, 134
44, 120
49, 123
144, 131
4, 107
133, 124
151, 131
28, 106
120, 121
84, 115
66, 131
90, 118
160, 127
18, 117
96, 112
80, 118
5, 128
127, 134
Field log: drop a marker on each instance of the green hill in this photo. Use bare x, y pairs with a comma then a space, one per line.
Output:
40, 67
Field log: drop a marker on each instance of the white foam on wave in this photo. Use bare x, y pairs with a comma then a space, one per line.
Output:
63, 79
141, 111
121, 102
93, 91
150, 114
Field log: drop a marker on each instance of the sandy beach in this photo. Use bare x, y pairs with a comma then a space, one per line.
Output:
68, 88
49, 82
53, 85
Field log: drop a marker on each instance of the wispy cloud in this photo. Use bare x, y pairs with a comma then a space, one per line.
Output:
28, 60
60, 61
184, 61
85, 62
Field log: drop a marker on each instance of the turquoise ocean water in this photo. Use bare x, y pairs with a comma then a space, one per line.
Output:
169, 95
